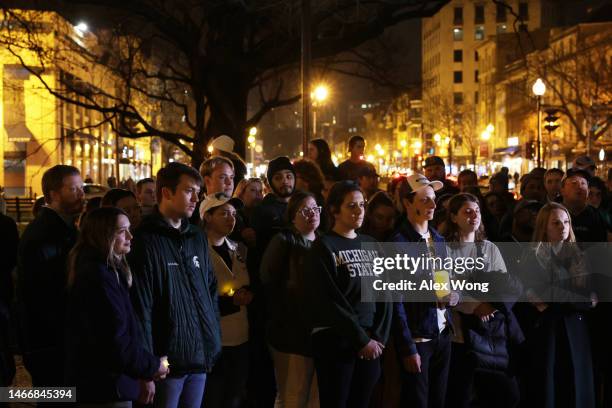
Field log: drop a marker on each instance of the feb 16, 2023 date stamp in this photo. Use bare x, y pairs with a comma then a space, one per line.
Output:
38, 394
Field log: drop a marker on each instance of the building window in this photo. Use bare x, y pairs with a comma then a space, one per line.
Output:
524, 11
479, 33
458, 19
457, 55
458, 34
458, 77
476, 97
479, 14
502, 28
500, 13
458, 98
475, 55
476, 76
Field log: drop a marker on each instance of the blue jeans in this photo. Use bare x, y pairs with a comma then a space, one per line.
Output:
185, 391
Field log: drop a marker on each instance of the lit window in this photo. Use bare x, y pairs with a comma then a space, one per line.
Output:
479, 33
458, 34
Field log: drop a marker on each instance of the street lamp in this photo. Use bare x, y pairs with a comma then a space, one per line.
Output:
539, 88
319, 96
251, 140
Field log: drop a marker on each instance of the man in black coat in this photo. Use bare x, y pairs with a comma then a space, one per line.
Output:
175, 289
41, 275
8, 254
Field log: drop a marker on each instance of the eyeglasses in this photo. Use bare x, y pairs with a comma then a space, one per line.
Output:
310, 211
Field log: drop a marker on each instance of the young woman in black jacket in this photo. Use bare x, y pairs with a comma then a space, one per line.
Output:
282, 274
555, 275
106, 360
348, 335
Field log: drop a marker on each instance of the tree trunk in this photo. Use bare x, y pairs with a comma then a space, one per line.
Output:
228, 109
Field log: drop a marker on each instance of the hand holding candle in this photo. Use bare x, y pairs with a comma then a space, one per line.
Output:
163, 370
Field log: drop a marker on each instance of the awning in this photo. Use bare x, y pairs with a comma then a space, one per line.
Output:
18, 133
508, 150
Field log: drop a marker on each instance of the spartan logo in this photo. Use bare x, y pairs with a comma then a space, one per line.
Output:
196, 262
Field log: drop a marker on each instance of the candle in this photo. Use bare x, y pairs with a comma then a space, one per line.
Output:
441, 283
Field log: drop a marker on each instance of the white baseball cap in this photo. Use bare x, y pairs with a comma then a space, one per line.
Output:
418, 182
223, 143
216, 200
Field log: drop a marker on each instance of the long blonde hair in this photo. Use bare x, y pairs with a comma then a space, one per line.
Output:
541, 224
244, 183
98, 232
543, 247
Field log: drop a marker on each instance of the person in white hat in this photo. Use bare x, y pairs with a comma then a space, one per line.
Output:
223, 143
423, 329
226, 385
224, 146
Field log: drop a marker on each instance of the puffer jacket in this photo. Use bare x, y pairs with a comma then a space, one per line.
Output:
175, 294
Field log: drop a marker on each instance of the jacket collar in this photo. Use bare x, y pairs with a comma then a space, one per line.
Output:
51, 215
408, 231
156, 222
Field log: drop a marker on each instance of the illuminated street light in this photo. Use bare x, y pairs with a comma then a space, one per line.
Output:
602, 154
403, 143
253, 131
378, 146
539, 88
210, 149
251, 139
318, 96
82, 26
437, 137
320, 93
485, 135
490, 128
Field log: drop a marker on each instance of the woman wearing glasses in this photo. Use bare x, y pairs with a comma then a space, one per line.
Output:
282, 276
348, 335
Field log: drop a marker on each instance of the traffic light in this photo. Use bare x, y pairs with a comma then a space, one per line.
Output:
551, 120
530, 149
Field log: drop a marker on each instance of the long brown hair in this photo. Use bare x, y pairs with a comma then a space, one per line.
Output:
451, 231
98, 233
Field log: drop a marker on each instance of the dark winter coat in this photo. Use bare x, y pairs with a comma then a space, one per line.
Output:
41, 282
8, 254
282, 274
105, 351
175, 294
558, 338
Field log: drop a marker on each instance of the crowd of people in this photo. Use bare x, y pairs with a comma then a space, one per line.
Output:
199, 289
